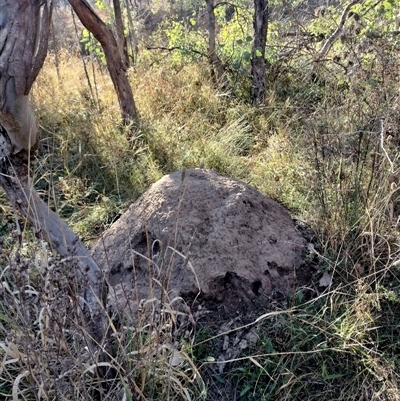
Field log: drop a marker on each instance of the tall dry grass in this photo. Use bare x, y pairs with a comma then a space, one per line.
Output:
328, 152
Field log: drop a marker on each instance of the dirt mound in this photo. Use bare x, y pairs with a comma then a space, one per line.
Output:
197, 234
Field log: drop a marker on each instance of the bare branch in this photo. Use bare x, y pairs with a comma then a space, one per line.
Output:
171, 49
331, 40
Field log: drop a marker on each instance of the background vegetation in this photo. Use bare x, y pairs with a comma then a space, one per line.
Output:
325, 144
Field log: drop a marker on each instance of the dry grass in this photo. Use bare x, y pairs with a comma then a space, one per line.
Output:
44, 354
319, 149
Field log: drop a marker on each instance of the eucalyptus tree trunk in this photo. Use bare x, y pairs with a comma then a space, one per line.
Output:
217, 69
122, 45
258, 65
115, 64
131, 34
24, 32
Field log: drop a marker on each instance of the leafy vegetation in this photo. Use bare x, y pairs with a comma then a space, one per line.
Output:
325, 144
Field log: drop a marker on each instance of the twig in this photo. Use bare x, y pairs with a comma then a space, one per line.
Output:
171, 49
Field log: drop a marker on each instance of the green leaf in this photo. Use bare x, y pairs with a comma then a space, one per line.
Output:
100, 5
239, 42
236, 66
192, 21
247, 55
8, 320
246, 389
300, 296
332, 376
258, 53
249, 38
388, 6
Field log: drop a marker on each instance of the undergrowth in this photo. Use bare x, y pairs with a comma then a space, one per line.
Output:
325, 149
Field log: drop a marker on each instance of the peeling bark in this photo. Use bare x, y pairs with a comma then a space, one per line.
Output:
115, 64
23, 48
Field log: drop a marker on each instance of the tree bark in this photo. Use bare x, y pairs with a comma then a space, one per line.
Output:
122, 45
24, 31
23, 48
217, 69
258, 65
131, 36
115, 65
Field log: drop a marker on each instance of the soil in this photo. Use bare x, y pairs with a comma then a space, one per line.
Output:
212, 250
197, 232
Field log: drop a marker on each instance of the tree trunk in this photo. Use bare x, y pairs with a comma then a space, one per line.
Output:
24, 32
21, 57
115, 65
131, 36
258, 65
122, 45
217, 69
